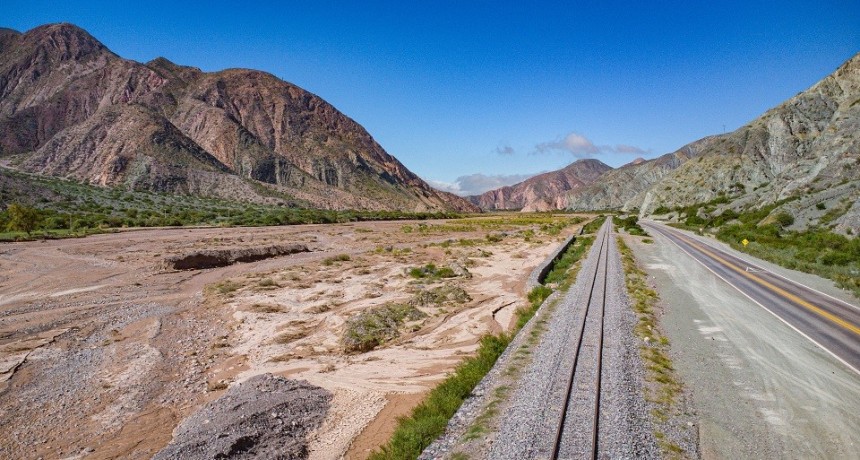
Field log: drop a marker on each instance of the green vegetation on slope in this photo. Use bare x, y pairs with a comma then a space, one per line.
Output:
62, 208
815, 250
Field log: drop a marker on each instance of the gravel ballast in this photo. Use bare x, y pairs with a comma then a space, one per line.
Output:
526, 419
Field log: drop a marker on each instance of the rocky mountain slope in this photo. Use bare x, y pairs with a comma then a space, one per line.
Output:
806, 150
803, 154
545, 191
70, 107
616, 188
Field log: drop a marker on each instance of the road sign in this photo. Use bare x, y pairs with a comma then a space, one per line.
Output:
745, 242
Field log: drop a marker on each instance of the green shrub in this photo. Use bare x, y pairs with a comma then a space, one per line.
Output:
22, 218
784, 219
631, 225
814, 250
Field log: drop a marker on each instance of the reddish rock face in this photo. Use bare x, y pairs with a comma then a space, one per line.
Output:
70, 107
543, 192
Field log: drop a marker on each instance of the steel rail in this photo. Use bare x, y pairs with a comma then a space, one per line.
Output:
603, 253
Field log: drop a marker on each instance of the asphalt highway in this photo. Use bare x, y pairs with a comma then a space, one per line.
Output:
832, 324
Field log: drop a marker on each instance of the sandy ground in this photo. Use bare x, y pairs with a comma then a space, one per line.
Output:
103, 352
760, 389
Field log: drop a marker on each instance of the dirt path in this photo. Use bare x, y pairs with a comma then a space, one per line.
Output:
103, 353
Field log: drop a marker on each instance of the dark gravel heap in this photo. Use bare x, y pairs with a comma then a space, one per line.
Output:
213, 258
265, 417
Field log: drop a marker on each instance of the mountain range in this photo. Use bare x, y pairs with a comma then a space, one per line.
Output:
803, 154
69, 107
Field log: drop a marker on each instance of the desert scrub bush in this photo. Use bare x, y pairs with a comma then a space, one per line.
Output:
527, 235
835, 213
431, 271
226, 287
268, 283
372, 328
329, 261
494, 237
631, 225
439, 296
65, 204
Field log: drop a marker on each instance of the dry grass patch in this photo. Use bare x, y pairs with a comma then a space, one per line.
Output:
266, 308
376, 326
665, 387
226, 287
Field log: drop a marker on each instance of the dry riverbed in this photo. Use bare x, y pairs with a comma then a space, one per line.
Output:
104, 349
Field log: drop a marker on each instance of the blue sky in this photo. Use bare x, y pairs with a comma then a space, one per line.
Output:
471, 95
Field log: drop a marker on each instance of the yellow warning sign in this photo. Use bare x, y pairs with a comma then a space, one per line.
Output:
745, 242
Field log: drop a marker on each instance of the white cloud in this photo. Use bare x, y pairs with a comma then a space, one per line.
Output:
582, 147
444, 186
577, 144
621, 148
476, 184
505, 150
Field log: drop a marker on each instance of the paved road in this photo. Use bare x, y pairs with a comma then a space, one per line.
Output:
832, 324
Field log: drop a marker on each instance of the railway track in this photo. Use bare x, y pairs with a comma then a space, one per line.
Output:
576, 435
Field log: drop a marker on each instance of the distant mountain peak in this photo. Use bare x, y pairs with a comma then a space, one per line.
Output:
543, 192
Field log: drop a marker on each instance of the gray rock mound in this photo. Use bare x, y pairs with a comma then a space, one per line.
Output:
265, 417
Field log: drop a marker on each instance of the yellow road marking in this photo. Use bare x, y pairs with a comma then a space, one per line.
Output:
785, 294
